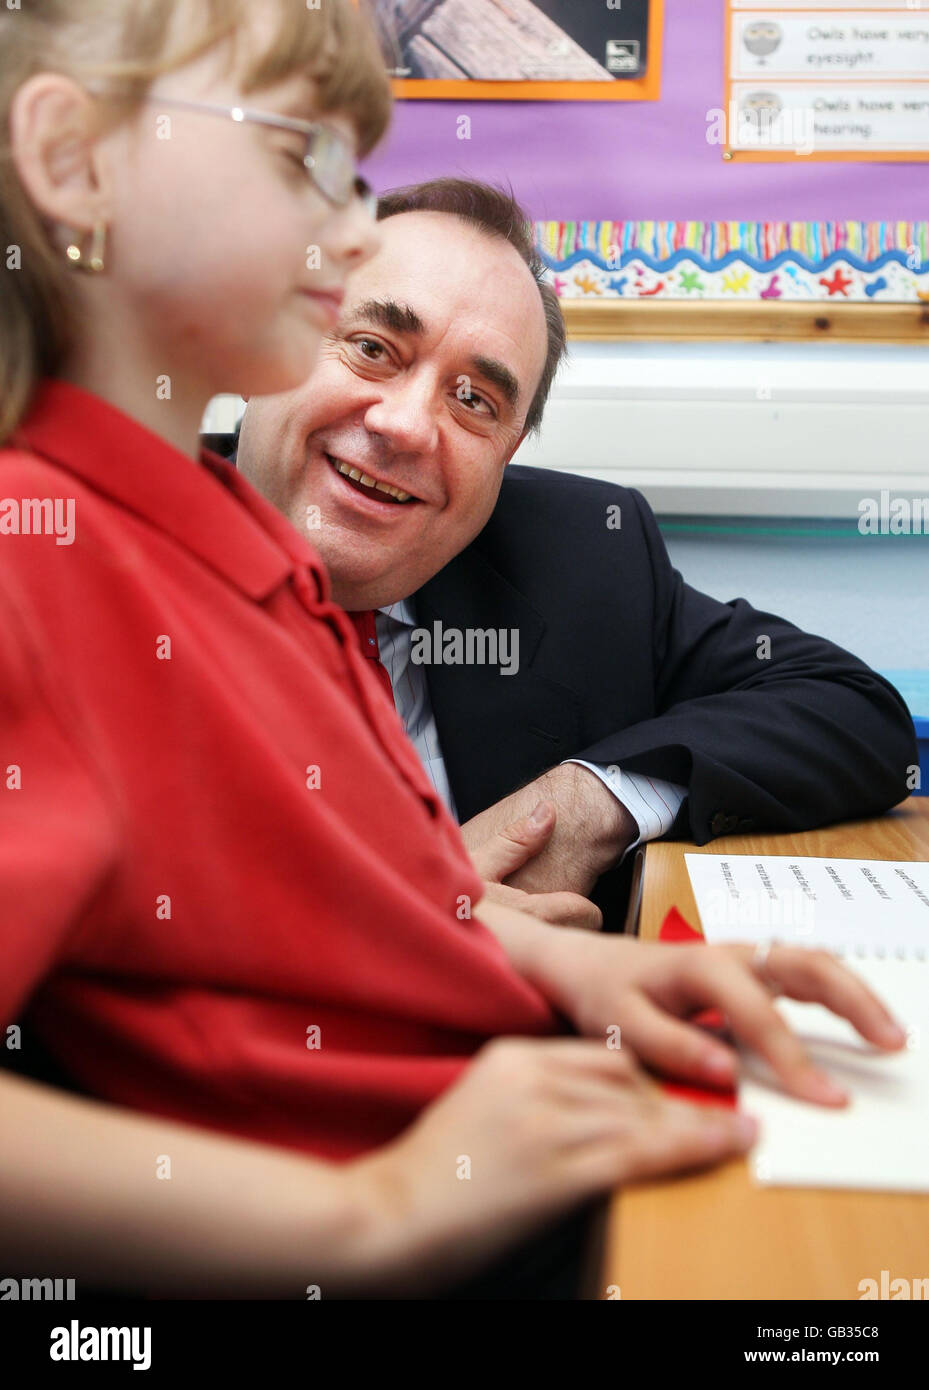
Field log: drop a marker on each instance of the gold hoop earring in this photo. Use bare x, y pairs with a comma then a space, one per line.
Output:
95, 262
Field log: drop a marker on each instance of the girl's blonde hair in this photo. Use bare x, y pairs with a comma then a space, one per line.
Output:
131, 43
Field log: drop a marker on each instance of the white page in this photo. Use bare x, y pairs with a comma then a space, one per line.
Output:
854, 907
880, 1140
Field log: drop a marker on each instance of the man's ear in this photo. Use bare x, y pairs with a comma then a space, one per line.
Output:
54, 151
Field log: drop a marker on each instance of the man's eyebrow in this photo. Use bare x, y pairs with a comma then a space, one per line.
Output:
499, 375
401, 318
387, 313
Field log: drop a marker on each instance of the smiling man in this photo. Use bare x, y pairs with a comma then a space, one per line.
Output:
628, 704
419, 400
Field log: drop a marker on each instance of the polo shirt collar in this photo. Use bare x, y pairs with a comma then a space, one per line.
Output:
208, 508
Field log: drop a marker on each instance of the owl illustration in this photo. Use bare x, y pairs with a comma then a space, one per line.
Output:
760, 109
762, 37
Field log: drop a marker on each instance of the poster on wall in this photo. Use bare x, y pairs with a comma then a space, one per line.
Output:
838, 80
529, 50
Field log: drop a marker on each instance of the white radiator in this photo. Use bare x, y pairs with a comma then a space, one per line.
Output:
743, 429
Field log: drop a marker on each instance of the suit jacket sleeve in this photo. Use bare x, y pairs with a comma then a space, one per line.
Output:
768, 727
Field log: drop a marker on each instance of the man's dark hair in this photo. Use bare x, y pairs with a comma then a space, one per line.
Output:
497, 213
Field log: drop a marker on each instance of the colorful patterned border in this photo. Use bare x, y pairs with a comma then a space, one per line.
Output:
886, 262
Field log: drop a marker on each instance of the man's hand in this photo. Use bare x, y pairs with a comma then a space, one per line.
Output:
591, 831
500, 856
648, 990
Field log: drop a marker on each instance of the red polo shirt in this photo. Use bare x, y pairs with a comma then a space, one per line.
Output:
228, 892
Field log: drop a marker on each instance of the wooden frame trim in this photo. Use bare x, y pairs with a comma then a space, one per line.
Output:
708, 320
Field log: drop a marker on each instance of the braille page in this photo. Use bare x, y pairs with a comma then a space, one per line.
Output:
857, 907
880, 1141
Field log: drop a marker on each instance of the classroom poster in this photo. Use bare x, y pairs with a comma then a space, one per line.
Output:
838, 80
568, 50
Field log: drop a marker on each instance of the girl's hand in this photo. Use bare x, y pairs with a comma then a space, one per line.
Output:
648, 990
531, 1130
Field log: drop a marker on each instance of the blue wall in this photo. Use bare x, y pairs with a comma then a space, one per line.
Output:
869, 594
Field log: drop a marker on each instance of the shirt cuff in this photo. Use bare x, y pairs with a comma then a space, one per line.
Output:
652, 802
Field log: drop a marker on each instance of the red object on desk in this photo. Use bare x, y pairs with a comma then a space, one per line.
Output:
677, 930
676, 927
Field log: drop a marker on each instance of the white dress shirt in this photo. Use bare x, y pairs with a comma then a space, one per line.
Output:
652, 802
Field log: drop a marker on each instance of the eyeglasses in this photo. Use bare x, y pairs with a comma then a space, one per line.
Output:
329, 159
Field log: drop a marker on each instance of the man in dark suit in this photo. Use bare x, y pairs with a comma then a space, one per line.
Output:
570, 695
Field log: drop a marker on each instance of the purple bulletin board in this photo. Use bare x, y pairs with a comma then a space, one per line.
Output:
597, 161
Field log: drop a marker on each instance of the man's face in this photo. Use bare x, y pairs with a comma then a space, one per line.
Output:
424, 387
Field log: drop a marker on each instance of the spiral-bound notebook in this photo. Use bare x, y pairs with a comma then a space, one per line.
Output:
875, 914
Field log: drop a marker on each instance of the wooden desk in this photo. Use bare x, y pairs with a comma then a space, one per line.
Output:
716, 1235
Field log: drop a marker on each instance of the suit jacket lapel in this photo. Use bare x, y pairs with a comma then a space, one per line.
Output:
496, 731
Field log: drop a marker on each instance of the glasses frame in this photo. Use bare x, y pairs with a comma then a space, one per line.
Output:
361, 189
